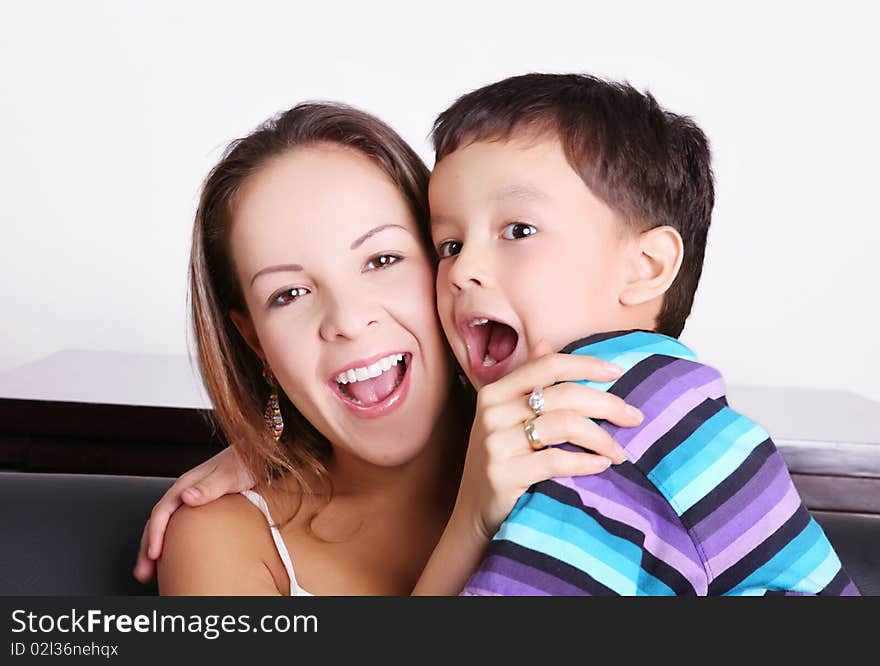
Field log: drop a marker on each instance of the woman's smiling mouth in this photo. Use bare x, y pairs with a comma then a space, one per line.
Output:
374, 387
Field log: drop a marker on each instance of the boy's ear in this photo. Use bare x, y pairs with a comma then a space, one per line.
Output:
245, 327
656, 262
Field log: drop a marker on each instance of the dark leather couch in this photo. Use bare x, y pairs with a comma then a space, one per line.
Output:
78, 534
73, 534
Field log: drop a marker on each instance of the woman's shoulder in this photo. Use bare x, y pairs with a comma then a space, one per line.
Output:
216, 518
218, 548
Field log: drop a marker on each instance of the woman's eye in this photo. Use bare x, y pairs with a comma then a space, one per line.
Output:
518, 230
288, 296
448, 248
382, 261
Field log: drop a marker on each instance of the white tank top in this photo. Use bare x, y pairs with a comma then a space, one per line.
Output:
258, 501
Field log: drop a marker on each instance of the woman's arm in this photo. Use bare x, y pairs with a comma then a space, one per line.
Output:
501, 465
216, 549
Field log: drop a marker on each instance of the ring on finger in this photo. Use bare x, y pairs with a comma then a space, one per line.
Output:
531, 435
536, 400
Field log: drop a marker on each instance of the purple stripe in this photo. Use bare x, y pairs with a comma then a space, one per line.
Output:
619, 499
650, 508
850, 590
653, 428
659, 389
764, 490
771, 521
506, 576
645, 394
716, 389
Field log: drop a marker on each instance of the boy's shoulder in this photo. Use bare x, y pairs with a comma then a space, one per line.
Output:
690, 440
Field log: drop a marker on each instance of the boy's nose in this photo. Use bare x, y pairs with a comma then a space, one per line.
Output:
467, 272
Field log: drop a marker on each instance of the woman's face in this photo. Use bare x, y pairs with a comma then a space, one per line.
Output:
340, 294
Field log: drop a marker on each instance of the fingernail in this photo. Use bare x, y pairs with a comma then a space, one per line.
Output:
605, 461
616, 370
634, 413
193, 492
151, 552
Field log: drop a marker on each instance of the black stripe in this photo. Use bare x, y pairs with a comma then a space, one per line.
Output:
764, 552
632, 473
593, 339
641, 371
731, 485
570, 498
678, 433
668, 574
836, 586
549, 565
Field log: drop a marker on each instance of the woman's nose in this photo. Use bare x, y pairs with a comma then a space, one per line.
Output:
348, 315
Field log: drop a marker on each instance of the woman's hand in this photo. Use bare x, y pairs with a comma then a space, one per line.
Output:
501, 464
220, 475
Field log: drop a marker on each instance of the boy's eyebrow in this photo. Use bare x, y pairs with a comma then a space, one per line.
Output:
520, 192
292, 268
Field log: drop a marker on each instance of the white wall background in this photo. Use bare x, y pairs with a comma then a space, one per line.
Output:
112, 112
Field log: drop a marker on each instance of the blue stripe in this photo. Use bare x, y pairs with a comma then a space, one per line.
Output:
781, 565
552, 516
819, 579
812, 565
568, 532
637, 341
729, 462
568, 553
688, 451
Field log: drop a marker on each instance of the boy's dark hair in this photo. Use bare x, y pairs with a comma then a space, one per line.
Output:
650, 165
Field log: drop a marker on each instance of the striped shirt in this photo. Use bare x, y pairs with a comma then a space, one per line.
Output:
704, 505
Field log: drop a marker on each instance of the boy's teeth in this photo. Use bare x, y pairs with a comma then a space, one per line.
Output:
479, 321
369, 372
488, 361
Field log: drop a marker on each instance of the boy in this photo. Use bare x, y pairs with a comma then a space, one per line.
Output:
567, 208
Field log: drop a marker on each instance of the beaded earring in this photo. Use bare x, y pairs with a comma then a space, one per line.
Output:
272, 413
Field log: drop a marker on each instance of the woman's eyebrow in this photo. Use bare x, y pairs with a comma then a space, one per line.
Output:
292, 268
375, 230
276, 269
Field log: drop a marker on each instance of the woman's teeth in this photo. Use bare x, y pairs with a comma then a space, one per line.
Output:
370, 371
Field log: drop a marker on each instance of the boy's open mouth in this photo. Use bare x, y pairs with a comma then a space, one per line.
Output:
372, 384
490, 345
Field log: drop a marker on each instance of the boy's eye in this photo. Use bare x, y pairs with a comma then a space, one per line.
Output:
448, 248
382, 261
518, 230
286, 296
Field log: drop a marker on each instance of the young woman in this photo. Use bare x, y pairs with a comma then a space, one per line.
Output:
312, 294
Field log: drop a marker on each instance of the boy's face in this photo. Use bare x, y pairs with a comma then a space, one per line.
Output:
526, 252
